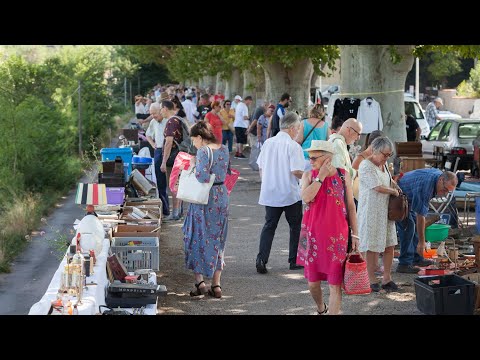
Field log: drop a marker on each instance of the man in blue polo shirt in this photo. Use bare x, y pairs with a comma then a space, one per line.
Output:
420, 186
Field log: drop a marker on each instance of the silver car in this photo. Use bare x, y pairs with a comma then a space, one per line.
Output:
456, 137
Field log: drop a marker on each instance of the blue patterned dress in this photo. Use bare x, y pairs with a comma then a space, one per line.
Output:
205, 227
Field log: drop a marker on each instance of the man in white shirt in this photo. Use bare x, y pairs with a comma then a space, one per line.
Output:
281, 166
156, 138
348, 134
190, 108
241, 124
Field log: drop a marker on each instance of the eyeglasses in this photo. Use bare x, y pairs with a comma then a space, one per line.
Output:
314, 158
354, 130
228, 104
386, 155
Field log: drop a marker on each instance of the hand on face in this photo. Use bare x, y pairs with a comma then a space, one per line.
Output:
325, 169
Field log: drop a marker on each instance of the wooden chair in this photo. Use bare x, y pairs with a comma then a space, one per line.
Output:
438, 160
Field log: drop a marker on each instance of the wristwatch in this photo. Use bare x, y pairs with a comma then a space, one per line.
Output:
318, 180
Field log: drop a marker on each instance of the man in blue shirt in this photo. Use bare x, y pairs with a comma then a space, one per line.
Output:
420, 186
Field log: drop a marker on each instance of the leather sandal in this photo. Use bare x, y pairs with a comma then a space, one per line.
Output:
199, 291
325, 310
212, 292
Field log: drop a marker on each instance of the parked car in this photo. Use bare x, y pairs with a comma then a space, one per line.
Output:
456, 137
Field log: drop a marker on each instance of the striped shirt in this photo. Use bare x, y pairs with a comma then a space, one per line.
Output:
420, 188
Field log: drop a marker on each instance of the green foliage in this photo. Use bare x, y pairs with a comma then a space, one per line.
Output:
466, 89
39, 128
443, 65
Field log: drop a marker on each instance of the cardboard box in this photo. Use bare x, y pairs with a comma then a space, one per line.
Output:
152, 201
127, 217
136, 231
476, 279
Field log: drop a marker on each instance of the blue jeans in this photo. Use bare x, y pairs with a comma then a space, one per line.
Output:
408, 240
227, 136
161, 182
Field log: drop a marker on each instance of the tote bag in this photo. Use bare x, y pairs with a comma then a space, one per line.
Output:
193, 191
355, 278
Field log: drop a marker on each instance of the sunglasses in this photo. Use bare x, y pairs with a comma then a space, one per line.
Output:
314, 158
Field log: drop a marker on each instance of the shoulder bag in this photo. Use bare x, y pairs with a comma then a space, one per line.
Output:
193, 191
397, 205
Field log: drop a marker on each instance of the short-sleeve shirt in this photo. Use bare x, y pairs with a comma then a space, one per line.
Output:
174, 128
280, 156
240, 111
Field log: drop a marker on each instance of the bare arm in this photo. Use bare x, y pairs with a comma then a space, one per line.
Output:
298, 174
259, 130
151, 141
299, 138
421, 234
269, 128
418, 134
252, 125
357, 161
309, 189
386, 190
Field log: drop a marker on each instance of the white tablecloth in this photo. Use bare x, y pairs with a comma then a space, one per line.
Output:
92, 298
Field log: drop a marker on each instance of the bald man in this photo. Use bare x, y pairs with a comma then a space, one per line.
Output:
348, 134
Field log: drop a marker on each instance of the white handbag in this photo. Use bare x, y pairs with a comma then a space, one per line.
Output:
193, 191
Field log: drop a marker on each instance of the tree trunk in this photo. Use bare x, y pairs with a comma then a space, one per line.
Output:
232, 86
294, 80
249, 86
367, 70
220, 85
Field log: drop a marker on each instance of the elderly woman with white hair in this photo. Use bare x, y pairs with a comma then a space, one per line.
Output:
377, 233
330, 211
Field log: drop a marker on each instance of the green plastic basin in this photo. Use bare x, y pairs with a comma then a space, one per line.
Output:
436, 232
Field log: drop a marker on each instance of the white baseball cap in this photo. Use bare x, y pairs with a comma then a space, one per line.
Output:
238, 97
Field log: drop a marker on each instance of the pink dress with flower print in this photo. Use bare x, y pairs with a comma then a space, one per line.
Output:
324, 236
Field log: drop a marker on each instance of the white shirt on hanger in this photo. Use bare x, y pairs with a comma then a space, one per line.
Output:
370, 115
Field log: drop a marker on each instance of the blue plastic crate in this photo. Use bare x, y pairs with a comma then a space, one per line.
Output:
109, 154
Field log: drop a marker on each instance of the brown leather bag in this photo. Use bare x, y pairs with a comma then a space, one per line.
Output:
397, 205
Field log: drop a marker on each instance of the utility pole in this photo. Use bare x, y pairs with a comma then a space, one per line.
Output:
417, 79
130, 101
125, 91
80, 150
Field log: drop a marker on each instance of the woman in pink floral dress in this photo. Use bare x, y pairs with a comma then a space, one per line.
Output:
324, 236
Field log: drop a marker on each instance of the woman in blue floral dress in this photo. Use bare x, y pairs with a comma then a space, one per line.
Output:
205, 227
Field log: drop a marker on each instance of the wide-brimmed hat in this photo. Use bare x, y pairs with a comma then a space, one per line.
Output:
321, 145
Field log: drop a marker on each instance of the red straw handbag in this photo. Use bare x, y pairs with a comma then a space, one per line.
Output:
355, 278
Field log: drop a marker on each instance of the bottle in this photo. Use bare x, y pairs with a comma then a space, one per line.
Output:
78, 242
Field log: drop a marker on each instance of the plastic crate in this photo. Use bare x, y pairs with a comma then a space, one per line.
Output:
109, 154
144, 254
115, 195
444, 295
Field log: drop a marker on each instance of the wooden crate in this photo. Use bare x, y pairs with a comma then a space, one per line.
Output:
412, 163
410, 148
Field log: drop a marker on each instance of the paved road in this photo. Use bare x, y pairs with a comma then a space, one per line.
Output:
280, 292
